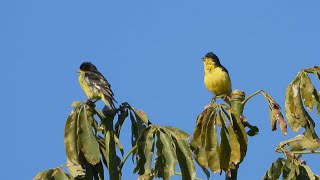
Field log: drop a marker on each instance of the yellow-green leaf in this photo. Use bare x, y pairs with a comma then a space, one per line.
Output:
71, 137
88, 143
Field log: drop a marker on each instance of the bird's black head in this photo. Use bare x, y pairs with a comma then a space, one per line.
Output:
87, 66
212, 56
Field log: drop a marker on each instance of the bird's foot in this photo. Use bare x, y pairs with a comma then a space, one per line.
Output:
90, 103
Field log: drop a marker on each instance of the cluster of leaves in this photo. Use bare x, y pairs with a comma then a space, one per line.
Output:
222, 152
171, 149
300, 95
90, 144
291, 169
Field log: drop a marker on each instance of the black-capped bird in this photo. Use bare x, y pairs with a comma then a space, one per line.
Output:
95, 85
216, 77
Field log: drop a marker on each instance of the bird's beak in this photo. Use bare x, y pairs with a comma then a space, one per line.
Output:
78, 71
203, 58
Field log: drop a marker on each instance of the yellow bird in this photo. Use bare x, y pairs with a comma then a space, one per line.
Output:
95, 85
216, 77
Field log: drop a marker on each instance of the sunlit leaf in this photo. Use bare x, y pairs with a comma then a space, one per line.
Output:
291, 94
241, 133
88, 143
225, 149
212, 148
118, 144
199, 132
75, 170
140, 115
235, 146
59, 174
71, 137
44, 175
178, 133
309, 93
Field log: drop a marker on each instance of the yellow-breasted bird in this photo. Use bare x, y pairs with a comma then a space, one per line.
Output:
95, 85
216, 77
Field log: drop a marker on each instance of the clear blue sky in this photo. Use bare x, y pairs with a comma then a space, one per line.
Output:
151, 54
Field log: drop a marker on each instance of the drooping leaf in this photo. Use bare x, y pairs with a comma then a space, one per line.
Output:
309, 93
145, 146
121, 118
275, 114
199, 131
88, 143
274, 171
240, 133
289, 106
167, 160
178, 133
184, 155
305, 172
235, 155
212, 148
71, 137
118, 144
225, 149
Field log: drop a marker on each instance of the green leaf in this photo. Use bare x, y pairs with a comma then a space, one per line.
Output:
140, 115
118, 144
59, 174
274, 171
310, 144
71, 137
75, 170
44, 175
167, 159
240, 133
185, 160
306, 172
121, 118
88, 143
290, 106
309, 93
178, 133
212, 147
199, 131
145, 152
225, 149
104, 147
235, 147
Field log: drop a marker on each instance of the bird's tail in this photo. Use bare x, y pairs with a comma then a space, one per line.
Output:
109, 101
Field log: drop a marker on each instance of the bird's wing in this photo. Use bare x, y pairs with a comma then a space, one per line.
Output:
99, 82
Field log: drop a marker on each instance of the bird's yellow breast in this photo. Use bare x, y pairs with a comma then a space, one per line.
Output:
216, 80
89, 91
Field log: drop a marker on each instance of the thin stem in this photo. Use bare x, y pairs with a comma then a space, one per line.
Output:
249, 97
302, 152
126, 156
179, 174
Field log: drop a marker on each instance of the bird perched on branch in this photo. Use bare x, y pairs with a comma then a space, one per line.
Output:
216, 77
95, 85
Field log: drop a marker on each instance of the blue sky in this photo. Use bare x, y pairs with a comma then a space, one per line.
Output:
151, 53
